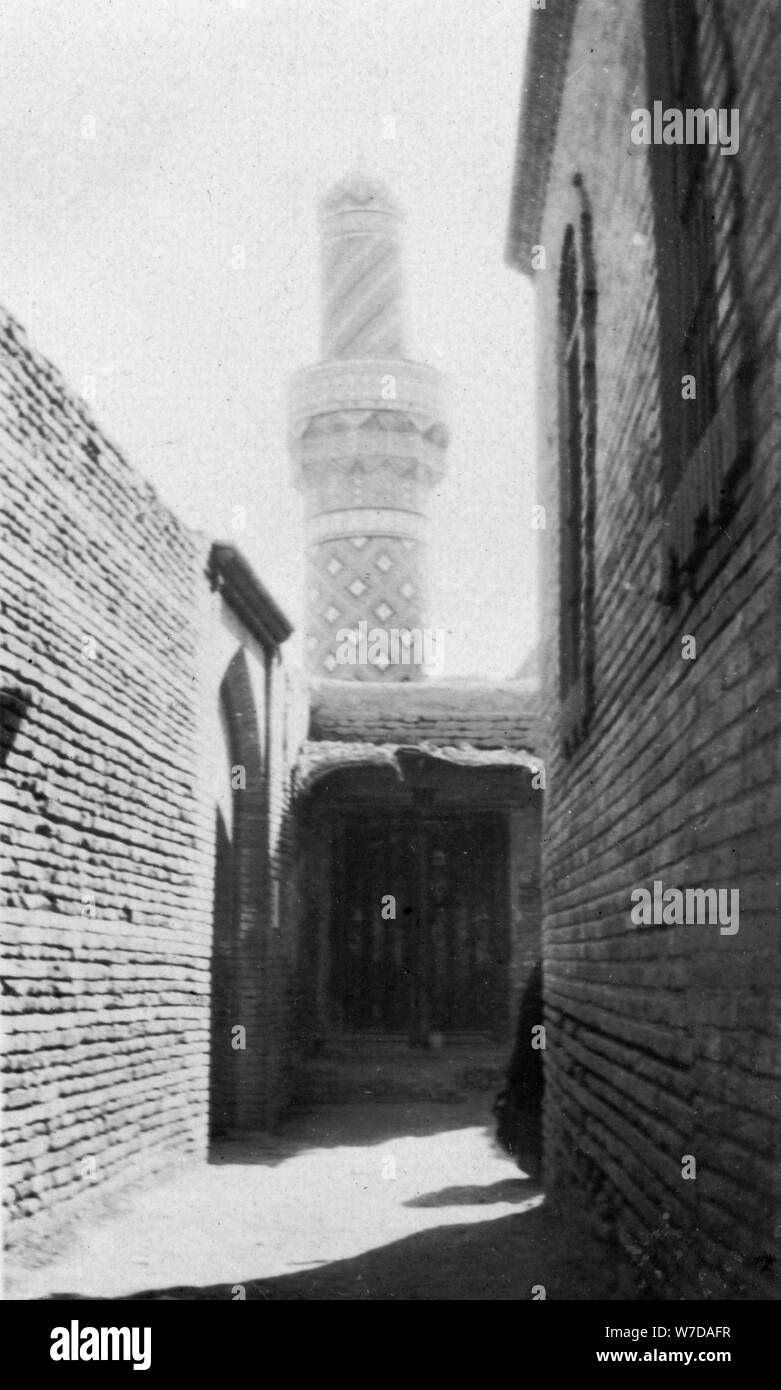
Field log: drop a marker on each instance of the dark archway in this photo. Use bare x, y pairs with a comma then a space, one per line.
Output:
221, 1092
240, 882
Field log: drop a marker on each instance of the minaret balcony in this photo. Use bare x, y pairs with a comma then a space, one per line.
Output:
374, 384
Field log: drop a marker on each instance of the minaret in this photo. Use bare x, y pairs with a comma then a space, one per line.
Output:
367, 440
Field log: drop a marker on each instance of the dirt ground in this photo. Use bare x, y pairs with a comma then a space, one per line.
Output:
377, 1201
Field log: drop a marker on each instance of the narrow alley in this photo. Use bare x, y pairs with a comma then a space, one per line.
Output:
393, 1190
390, 634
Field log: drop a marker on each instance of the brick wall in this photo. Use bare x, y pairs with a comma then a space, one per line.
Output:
663, 1042
113, 657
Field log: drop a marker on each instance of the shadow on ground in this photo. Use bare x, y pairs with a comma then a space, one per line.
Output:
508, 1190
323, 1127
500, 1260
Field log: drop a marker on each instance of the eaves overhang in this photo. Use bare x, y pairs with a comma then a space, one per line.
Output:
319, 759
550, 34
233, 576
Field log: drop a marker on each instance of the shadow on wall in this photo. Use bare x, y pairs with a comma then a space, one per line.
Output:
518, 1107
14, 705
221, 1078
238, 1097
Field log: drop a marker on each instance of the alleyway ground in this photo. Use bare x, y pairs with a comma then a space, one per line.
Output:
380, 1200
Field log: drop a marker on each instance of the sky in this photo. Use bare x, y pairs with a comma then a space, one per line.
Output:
161, 162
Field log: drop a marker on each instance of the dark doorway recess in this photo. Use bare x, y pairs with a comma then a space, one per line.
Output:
222, 1100
439, 965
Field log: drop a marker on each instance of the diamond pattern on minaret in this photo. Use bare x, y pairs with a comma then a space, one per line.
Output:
367, 439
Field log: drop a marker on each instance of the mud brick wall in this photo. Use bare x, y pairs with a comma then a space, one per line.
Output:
664, 1042
106, 922
112, 658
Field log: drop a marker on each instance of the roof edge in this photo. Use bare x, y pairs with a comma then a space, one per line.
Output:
317, 760
236, 580
544, 78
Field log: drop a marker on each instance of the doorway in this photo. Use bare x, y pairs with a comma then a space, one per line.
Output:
419, 924
222, 1097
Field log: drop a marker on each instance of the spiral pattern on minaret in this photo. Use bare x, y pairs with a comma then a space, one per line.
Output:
362, 276
368, 438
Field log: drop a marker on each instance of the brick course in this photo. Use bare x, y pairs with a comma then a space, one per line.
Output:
108, 824
662, 1041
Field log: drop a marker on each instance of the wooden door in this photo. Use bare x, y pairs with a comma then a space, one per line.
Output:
372, 945
440, 963
465, 924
